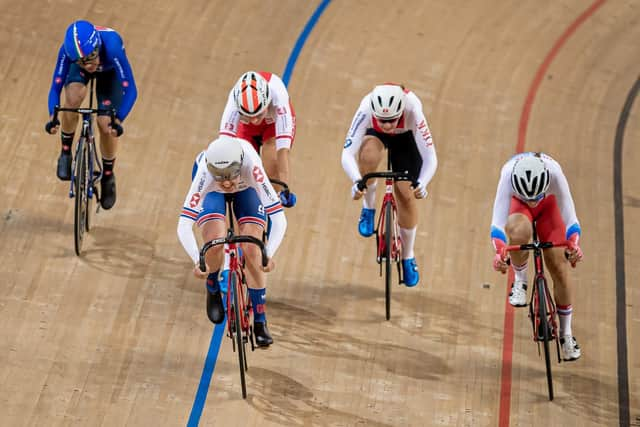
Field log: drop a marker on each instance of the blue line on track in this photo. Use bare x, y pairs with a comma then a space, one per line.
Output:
218, 331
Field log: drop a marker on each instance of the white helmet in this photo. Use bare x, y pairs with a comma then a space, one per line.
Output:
252, 94
530, 178
387, 101
224, 158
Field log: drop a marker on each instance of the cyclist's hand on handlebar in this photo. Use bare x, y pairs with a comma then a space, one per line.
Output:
51, 127
573, 253
288, 199
420, 191
355, 192
500, 261
270, 266
199, 273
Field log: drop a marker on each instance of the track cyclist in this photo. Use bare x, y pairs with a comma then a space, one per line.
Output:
532, 187
88, 52
391, 117
231, 165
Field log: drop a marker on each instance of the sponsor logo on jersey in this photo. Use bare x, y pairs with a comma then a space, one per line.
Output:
356, 123
258, 175
267, 192
120, 69
228, 126
195, 199
348, 143
125, 83
426, 134
281, 110
58, 80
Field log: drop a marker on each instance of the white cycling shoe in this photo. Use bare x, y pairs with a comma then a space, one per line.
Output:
518, 294
569, 348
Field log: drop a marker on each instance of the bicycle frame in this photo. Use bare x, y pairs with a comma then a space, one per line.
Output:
388, 242
542, 308
238, 306
396, 245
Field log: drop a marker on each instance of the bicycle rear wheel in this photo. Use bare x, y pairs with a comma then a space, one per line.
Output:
82, 179
387, 262
237, 312
545, 329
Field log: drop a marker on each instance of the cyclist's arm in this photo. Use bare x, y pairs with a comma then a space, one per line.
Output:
59, 77
353, 141
284, 123
190, 210
560, 187
230, 117
501, 208
423, 139
278, 228
116, 53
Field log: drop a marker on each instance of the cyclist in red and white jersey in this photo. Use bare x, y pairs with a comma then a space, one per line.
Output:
391, 117
259, 111
532, 187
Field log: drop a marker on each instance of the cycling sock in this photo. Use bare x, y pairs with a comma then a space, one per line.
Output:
212, 282
258, 300
408, 237
520, 271
564, 313
369, 199
67, 140
107, 166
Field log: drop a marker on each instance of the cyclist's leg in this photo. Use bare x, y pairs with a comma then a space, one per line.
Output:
212, 224
369, 157
551, 227
519, 231
405, 157
75, 91
251, 221
109, 94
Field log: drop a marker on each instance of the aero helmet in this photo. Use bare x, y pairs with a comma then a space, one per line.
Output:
530, 178
224, 158
81, 40
252, 94
387, 101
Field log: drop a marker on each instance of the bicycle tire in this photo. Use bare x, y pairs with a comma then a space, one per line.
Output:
387, 263
234, 287
80, 206
546, 328
90, 157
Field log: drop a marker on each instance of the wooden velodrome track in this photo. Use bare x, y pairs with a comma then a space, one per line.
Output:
119, 336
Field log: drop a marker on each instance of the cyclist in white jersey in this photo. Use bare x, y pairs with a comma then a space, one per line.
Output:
391, 117
231, 165
532, 187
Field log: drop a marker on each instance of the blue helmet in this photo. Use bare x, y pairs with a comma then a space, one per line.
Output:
81, 40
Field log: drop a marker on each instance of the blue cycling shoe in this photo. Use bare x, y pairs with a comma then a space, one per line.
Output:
410, 272
365, 225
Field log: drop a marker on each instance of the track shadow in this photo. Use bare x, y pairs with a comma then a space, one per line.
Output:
308, 332
126, 253
288, 402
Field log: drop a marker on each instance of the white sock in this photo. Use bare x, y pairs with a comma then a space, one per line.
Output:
408, 237
565, 312
369, 199
520, 272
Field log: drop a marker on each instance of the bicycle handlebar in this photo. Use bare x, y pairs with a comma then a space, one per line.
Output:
536, 245
110, 111
285, 187
232, 239
396, 176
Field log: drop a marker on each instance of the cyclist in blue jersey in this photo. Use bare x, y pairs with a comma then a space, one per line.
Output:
90, 51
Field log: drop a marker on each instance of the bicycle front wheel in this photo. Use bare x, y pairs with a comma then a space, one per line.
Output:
81, 200
544, 330
234, 286
387, 263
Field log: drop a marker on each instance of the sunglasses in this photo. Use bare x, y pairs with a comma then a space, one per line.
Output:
89, 58
226, 174
388, 120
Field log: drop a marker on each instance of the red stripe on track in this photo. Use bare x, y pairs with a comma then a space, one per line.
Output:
507, 349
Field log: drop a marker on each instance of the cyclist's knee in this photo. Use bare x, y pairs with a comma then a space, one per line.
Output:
370, 153
518, 229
